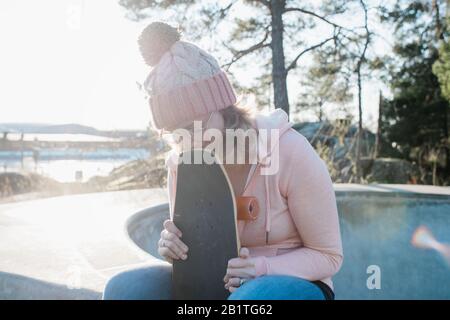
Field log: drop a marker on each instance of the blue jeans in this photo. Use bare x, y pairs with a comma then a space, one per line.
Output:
154, 283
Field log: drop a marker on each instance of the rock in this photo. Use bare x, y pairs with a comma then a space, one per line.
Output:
337, 145
13, 183
391, 170
137, 174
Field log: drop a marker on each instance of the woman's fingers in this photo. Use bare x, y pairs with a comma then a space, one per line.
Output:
169, 240
244, 253
239, 267
238, 263
168, 235
172, 233
167, 253
241, 261
238, 273
173, 242
233, 282
170, 226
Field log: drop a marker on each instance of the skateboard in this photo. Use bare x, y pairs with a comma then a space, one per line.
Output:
205, 211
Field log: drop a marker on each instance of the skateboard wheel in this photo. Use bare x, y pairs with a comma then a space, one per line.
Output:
247, 208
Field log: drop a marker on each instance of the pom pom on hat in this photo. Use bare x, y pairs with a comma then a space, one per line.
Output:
156, 39
185, 83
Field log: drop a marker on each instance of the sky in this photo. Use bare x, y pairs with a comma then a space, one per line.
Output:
77, 61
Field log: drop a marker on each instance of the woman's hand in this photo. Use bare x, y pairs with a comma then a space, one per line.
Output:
169, 245
239, 268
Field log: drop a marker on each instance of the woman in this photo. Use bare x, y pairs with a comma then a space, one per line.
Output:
293, 248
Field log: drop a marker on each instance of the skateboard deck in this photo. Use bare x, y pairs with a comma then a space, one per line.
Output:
205, 212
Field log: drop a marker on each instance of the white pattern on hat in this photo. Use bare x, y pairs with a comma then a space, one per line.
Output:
183, 64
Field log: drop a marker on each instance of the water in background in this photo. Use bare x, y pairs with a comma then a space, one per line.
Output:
70, 165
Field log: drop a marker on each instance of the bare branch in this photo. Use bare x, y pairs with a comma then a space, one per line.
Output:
218, 16
314, 15
224, 11
368, 34
238, 54
293, 64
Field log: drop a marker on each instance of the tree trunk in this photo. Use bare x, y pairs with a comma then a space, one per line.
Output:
439, 34
359, 134
377, 147
358, 72
320, 111
278, 61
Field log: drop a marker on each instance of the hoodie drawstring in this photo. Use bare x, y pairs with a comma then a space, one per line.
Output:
267, 200
267, 163
266, 181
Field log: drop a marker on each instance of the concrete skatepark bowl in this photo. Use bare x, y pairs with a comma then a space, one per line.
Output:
68, 247
377, 223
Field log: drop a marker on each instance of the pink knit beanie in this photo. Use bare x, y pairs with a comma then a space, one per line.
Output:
185, 83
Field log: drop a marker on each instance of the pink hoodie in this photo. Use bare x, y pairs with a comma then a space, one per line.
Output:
297, 231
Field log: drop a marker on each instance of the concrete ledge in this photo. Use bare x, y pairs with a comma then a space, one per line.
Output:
68, 247
405, 190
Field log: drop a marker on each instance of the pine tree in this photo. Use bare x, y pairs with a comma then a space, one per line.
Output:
416, 119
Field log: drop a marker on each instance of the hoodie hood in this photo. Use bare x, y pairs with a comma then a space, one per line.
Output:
271, 127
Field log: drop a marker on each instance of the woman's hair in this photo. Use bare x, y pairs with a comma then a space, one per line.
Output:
237, 117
